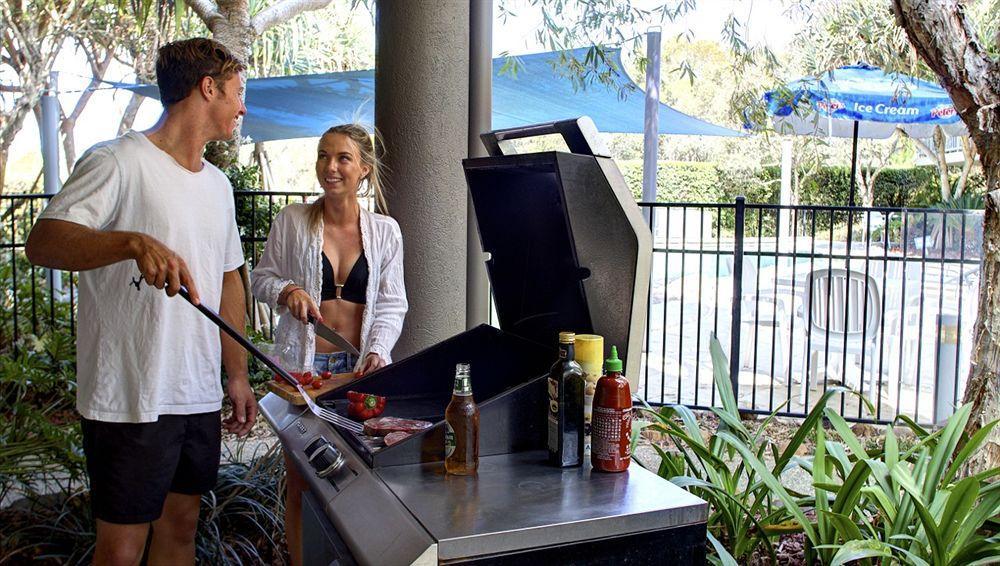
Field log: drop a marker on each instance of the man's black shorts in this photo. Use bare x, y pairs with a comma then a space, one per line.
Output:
132, 466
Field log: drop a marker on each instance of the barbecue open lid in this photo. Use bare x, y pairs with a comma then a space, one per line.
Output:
566, 247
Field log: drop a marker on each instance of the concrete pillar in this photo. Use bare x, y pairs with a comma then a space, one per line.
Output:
477, 302
422, 111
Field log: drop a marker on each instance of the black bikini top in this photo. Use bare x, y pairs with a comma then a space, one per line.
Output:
353, 289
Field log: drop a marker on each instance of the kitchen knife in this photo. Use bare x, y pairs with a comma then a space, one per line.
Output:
331, 336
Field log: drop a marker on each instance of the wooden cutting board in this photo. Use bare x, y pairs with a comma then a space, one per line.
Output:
288, 392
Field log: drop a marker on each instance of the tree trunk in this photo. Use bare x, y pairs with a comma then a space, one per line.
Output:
131, 111
983, 389
236, 32
941, 154
231, 25
98, 69
947, 42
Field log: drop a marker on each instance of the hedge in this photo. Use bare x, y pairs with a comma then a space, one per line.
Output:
678, 181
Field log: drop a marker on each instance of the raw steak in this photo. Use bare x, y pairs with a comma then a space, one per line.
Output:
381, 426
394, 437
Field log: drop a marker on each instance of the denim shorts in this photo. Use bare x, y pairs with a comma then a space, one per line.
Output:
334, 362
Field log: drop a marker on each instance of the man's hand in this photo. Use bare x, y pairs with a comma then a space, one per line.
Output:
372, 362
244, 406
162, 267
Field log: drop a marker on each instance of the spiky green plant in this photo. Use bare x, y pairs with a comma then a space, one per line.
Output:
748, 503
896, 505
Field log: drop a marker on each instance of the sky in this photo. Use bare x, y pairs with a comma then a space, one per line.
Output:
766, 20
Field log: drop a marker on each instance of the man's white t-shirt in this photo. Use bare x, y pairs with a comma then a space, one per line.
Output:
141, 354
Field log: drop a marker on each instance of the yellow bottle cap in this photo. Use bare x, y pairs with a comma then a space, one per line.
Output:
590, 353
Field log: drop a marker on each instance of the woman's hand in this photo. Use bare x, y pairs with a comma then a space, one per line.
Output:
301, 305
372, 362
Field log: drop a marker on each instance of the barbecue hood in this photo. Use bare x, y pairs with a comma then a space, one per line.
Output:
566, 248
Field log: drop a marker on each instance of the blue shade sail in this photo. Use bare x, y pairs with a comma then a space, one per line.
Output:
306, 105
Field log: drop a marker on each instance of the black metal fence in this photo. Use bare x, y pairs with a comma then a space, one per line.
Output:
35, 299
880, 300
799, 305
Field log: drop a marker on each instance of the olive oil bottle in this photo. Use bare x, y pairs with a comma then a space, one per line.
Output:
565, 412
461, 437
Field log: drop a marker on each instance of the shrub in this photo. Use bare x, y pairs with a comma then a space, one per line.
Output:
242, 519
907, 505
678, 181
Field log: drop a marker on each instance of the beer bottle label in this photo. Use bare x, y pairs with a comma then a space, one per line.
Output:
449, 440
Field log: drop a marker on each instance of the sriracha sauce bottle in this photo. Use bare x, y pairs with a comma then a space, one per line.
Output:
611, 426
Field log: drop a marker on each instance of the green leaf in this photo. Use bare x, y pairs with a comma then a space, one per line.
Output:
806, 427
920, 431
859, 549
720, 372
850, 492
946, 447
772, 483
725, 558
819, 478
989, 506
690, 423
960, 501
840, 457
846, 528
846, 434
905, 480
975, 441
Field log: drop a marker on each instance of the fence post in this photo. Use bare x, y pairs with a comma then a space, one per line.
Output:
945, 374
734, 346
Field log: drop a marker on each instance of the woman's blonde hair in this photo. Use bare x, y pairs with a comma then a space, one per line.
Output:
370, 150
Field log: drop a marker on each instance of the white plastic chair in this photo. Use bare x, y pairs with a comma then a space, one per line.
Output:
763, 312
830, 292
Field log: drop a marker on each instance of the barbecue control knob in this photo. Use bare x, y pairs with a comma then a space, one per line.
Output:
323, 457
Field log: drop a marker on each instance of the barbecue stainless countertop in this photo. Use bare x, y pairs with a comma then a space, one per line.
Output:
517, 501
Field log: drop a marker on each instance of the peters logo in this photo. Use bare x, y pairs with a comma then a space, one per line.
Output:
943, 111
830, 106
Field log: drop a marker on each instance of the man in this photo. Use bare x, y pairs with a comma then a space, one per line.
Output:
148, 365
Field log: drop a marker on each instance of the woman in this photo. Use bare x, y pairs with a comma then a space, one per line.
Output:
341, 264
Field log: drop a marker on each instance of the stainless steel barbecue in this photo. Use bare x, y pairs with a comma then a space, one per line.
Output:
566, 249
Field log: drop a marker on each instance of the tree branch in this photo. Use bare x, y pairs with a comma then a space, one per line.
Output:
969, 152
945, 39
282, 12
923, 147
206, 10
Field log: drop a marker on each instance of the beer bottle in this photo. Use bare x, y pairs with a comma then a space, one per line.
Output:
565, 413
461, 437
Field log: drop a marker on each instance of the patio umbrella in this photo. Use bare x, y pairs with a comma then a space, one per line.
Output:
861, 101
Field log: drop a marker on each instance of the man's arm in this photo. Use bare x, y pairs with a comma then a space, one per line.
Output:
232, 309
74, 247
